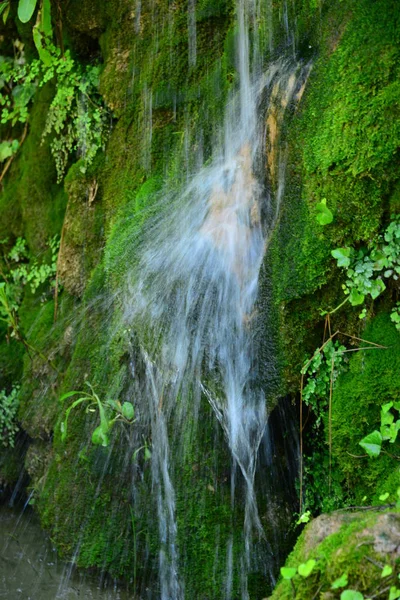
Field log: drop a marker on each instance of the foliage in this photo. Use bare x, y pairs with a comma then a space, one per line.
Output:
395, 315
16, 87
110, 411
9, 404
322, 368
26, 8
22, 269
324, 215
76, 120
366, 268
390, 426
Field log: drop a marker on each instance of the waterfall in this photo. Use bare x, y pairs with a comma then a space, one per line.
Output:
190, 300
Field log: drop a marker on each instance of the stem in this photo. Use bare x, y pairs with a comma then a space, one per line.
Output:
301, 443
340, 306
8, 163
330, 422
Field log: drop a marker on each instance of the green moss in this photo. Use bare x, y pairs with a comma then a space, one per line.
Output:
32, 205
373, 378
342, 145
351, 548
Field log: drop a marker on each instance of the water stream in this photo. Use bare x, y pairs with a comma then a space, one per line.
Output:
191, 299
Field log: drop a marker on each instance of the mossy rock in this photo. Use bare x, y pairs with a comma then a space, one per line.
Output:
358, 544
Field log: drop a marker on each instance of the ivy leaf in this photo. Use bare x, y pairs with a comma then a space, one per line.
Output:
377, 288
99, 437
372, 444
128, 411
351, 595
26, 8
386, 571
394, 593
306, 568
386, 407
380, 260
342, 581
324, 215
288, 572
384, 497
356, 297
342, 256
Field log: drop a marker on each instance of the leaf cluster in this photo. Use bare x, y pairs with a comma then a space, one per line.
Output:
367, 268
9, 404
389, 429
318, 370
76, 119
110, 411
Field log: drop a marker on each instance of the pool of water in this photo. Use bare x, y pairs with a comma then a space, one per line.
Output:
31, 570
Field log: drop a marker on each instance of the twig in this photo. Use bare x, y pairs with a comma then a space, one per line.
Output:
57, 269
8, 163
357, 455
361, 340
391, 455
330, 422
301, 443
380, 592
317, 592
371, 560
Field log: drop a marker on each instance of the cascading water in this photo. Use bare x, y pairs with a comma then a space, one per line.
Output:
191, 301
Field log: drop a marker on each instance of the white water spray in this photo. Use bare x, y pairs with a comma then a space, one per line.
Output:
193, 292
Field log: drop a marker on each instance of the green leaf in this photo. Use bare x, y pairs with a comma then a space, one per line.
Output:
387, 418
351, 595
342, 256
304, 518
128, 411
377, 288
384, 496
3, 7
356, 297
6, 12
99, 437
394, 593
46, 19
44, 54
288, 572
372, 444
147, 455
386, 407
68, 395
26, 8
324, 215
305, 569
65, 422
342, 581
386, 571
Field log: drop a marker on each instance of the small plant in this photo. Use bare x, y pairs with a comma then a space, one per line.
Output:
366, 269
76, 119
9, 404
395, 315
324, 215
110, 411
321, 370
390, 426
